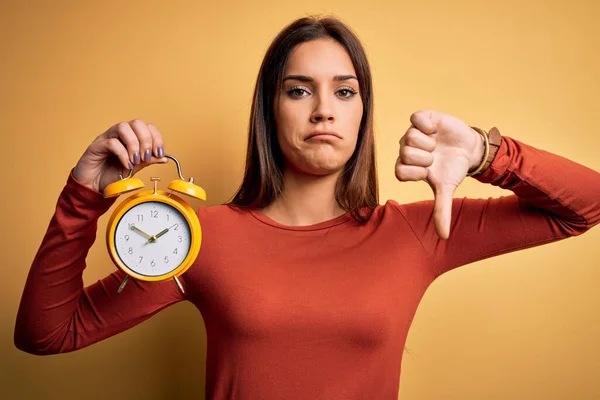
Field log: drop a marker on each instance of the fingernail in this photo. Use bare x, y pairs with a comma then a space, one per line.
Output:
136, 157
147, 155
130, 165
161, 151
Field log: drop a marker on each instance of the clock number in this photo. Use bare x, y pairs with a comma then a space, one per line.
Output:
140, 218
141, 258
175, 251
153, 264
179, 239
167, 217
176, 227
153, 214
130, 251
127, 238
166, 259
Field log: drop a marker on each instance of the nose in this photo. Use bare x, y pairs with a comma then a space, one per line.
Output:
323, 111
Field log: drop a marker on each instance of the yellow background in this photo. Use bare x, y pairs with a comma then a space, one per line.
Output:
520, 326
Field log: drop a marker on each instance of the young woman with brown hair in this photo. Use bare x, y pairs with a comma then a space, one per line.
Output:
307, 285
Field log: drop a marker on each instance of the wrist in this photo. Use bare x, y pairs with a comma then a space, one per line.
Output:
492, 141
477, 156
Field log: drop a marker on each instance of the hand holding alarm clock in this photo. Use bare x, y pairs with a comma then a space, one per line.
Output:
153, 235
123, 146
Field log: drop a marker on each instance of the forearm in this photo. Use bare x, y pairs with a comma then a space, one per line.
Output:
554, 198
55, 280
565, 189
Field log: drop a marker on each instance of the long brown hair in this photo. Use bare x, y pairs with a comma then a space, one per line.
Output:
356, 189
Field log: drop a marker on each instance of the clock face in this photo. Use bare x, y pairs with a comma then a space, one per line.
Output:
152, 238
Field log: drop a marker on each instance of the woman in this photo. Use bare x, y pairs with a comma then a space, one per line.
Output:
307, 285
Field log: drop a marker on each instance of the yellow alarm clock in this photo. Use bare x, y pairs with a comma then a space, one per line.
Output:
154, 235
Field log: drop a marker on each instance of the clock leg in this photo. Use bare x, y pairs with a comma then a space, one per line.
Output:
179, 284
122, 286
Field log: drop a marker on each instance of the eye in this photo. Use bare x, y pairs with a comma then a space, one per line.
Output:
346, 92
297, 92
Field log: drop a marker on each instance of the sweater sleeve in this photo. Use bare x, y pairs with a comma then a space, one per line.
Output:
57, 313
553, 198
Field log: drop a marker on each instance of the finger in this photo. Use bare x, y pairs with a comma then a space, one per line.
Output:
158, 148
413, 156
114, 146
415, 138
144, 137
406, 173
426, 120
123, 132
442, 212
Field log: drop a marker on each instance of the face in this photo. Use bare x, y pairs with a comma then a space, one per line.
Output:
318, 110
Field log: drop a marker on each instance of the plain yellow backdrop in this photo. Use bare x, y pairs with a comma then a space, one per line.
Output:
519, 326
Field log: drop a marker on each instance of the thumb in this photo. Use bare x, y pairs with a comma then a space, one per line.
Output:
442, 210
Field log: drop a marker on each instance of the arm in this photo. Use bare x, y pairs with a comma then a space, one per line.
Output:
57, 313
554, 198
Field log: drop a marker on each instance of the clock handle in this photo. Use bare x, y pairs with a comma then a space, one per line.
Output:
130, 173
177, 164
183, 186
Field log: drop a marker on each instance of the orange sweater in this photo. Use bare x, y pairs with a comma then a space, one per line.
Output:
312, 312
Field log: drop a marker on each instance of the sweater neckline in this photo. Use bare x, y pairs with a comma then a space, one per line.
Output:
262, 217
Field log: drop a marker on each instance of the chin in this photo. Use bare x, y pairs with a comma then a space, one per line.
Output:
322, 168
320, 163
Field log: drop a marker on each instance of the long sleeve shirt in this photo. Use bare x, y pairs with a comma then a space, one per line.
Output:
303, 312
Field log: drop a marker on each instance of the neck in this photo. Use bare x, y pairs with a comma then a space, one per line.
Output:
305, 200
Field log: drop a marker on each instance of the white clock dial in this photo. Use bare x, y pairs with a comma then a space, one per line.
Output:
152, 238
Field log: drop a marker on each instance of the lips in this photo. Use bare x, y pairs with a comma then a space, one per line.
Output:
323, 134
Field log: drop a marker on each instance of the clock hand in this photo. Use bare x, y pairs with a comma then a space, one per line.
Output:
135, 228
159, 234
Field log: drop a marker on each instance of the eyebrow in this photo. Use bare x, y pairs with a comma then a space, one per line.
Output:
304, 78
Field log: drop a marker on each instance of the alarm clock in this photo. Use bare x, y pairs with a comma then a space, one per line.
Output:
154, 235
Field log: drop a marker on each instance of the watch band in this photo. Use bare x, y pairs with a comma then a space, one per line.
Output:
493, 140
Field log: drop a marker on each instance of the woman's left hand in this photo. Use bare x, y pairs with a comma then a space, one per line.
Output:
440, 150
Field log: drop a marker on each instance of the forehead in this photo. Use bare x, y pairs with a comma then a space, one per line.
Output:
323, 58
